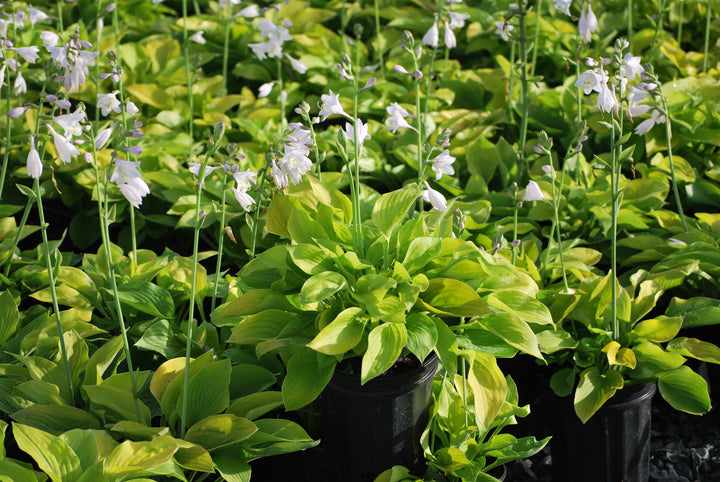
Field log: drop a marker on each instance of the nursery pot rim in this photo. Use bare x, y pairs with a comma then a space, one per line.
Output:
631, 395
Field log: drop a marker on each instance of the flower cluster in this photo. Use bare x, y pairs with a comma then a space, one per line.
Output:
295, 162
451, 21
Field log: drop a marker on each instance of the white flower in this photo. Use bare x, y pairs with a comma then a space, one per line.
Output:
587, 24
563, 6
265, 89
533, 192
276, 36
107, 103
2, 75
251, 11
644, 127
195, 169
75, 61
64, 147
630, 67
71, 122
102, 137
450, 40
589, 80
606, 101
280, 176
30, 54
20, 85
198, 38
130, 182
34, 164
331, 105
397, 118
243, 198
434, 197
36, 16
503, 29
457, 20
49, 39
130, 108
442, 164
432, 37
362, 132
245, 179
295, 162
297, 65
225, 3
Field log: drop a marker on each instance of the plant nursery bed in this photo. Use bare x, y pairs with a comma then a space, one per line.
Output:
685, 448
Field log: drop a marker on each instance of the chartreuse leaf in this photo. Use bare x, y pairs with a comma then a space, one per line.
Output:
3, 427
101, 360
208, 392
136, 459
56, 419
262, 326
396, 474
451, 458
594, 389
447, 346
277, 436
51, 453
651, 360
174, 387
11, 471
489, 387
684, 390
250, 303
660, 329
341, 335
422, 334
219, 431
512, 330
91, 446
232, 465
420, 252
308, 373
550, 341
165, 374
321, 286
390, 208
617, 355
147, 297
385, 343
9, 316
134, 430
255, 405
528, 309
115, 404
695, 348
448, 296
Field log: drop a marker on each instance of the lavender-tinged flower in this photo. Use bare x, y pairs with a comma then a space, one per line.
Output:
362, 132
457, 20
245, 179
195, 169
75, 61
533, 192
442, 164
503, 29
432, 37
265, 89
296, 64
29, 54
635, 97
2, 75
589, 80
130, 181
49, 39
34, 164
130, 108
71, 122
435, 198
276, 36
64, 147
450, 40
198, 38
656, 117
17, 112
547, 169
588, 24
20, 85
108, 102
607, 101
243, 198
102, 137
331, 105
630, 67
295, 162
397, 118
563, 6
251, 11
280, 176
36, 16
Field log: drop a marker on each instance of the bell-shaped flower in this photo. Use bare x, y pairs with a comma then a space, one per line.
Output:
397, 118
331, 105
296, 64
563, 6
20, 85
197, 37
130, 181
250, 11
442, 164
588, 24
607, 101
109, 103
457, 20
102, 137
280, 176
589, 80
36, 16
533, 192
34, 164
276, 36
503, 29
66, 150
656, 117
243, 198
450, 40
49, 39
71, 122
434, 197
630, 67
362, 132
265, 89
245, 179
130, 108
29, 54
432, 36
195, 170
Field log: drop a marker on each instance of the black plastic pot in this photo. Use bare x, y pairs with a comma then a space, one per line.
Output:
613, 446
370, 428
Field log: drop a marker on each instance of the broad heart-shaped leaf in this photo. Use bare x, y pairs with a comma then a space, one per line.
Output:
255, 405
52, 454
594, 389
385, 343
321, 286
422, 334
652, 359
232, 465
115, 404
660, 329
219, 431
695, 348
136, 459
250, 303
528, 309
277, 436
341, 335
165, 374
420, 252
148, 298
619, 356
11, 470
161, 337
174, 380
208, 392
685, 390
488, 385
451, 458
448, 296
262, 326
390, 208
91, 446
9, 316
101, 360
55, 419
308, 373
513, 330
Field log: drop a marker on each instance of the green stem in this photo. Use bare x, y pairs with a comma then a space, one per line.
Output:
658, 26
8, 138
379, 36
16, 240
556, 208
357, 221
420, 135
283, 120
579, 90
53, 292
536, 42
256, 212
188, 74
708, 7
515, 230
525, 108
680, 22
221, 240
630, 24
226, 49
668, 139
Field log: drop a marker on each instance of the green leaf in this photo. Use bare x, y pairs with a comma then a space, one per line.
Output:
219, 431
277, 436
101, 360
91, 446
12, 471
51, 453
422, 334
685, 390
694, 348
251, 303
660, 329
307, 376
9, 316
341, 335
232, 465
208, 392
132, 459
151, 94
449, 459
255, 405
385, 343
56, 419
513, 330
489, 388
562, 382
420, 253
310, 258
115, 403
651, 360
594, 389
390, 208
161, 337
551, 341
262, 326
619, 356
148, 298
321, 286
448, 296
528, 309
